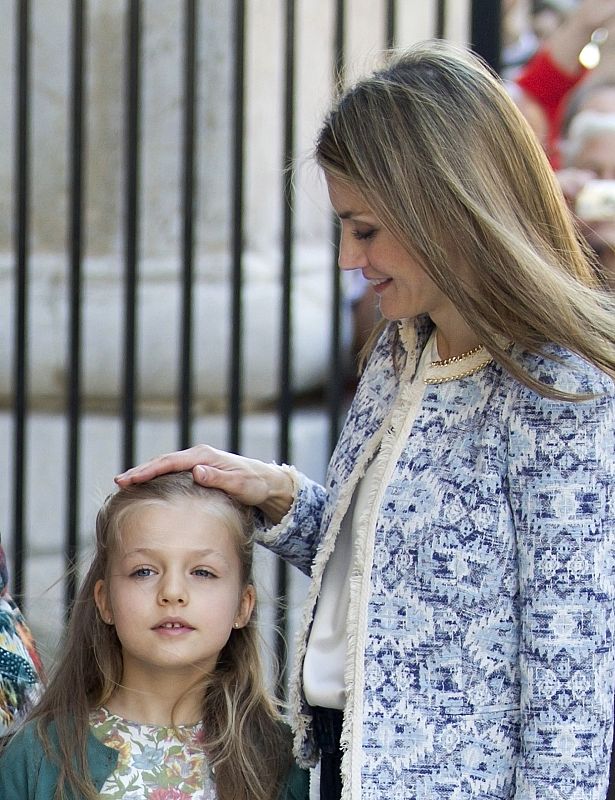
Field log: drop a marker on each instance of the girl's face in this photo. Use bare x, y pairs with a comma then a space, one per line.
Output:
403, 287
174, 594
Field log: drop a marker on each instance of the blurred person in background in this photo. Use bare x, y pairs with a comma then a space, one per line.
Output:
596, 94
518, 38
21, 672
588, 182
554, 71
548, 15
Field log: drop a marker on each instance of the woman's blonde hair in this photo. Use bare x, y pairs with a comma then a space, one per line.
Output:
451, 168
245, 742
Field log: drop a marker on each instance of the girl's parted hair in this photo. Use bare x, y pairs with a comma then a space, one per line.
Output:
449, 165
245, 741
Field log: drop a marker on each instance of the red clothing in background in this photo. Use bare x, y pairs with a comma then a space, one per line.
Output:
548, 84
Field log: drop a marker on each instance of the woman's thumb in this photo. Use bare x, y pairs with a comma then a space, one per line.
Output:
201, 474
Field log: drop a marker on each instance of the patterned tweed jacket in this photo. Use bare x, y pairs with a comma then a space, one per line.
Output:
481, 620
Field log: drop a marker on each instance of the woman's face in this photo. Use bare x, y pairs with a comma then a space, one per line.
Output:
403, 287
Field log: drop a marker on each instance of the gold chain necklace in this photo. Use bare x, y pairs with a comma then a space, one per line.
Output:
454, 359
464, 373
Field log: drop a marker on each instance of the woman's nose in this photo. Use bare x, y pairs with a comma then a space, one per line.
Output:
351, 255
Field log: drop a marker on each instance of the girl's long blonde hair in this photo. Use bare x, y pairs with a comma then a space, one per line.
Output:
245, 741
449, 165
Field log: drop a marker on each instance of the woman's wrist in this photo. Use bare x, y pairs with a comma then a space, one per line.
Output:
282, 487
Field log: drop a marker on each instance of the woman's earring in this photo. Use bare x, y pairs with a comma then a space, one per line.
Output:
235, 624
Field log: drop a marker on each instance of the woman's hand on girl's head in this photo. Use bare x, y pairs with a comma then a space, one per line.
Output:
252, 482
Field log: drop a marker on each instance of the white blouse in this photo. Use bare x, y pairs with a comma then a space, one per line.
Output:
325, 658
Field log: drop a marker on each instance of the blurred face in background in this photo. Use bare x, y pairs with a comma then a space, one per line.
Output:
545, 21
597, 154
601, 98
597, 213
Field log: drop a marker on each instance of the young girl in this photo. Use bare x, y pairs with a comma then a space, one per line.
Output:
159, 692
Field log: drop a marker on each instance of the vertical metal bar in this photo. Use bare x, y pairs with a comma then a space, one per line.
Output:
235, 372
131, 229
75, 260
336, 378
286, 379
286, 392
188, 212
440, 19
22, 220
391, 23
486, 34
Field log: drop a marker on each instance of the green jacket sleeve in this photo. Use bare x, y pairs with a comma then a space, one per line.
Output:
27, 774
20, 763
297, 784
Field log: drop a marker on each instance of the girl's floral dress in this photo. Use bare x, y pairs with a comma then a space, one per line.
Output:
155, 762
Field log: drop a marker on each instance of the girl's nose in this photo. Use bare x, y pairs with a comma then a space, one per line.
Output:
167, 600
172, 590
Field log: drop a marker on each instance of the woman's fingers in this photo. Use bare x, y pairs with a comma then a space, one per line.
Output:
243, 478
250, 481
178, 461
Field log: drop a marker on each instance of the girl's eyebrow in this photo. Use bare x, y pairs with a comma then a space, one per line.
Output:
197, 553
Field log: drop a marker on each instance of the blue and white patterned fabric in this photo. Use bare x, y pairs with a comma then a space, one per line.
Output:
481, 621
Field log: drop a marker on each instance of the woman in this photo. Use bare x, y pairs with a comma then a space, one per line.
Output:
461, 549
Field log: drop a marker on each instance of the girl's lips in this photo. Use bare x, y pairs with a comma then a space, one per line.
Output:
173, 631
173, 627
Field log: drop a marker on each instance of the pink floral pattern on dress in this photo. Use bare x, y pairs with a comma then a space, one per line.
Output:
155, 762
169, 794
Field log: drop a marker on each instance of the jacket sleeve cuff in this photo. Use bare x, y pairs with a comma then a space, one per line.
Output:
264, 530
